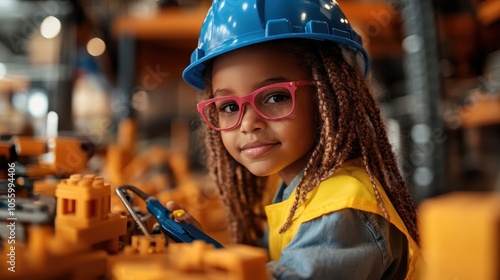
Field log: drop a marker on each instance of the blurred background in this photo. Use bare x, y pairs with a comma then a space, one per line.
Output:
95, 63
92, 89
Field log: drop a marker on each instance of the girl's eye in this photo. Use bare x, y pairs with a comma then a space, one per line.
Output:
277, 97
228, 107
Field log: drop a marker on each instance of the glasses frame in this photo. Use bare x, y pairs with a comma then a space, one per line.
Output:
250, 99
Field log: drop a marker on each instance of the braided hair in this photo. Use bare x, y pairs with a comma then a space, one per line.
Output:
350, 126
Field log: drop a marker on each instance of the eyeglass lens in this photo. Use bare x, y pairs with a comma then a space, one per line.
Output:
272, 103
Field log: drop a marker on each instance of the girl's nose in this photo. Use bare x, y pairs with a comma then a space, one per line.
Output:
251, 121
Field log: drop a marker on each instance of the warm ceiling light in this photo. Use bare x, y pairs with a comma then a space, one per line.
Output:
96, 46
50, 27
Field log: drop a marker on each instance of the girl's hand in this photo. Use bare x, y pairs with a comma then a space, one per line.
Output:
180, 216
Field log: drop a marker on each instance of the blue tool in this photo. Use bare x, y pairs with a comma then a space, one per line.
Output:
179, 232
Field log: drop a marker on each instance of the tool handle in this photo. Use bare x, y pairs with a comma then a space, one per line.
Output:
179, 232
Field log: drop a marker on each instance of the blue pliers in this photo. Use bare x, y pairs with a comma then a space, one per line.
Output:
179, 232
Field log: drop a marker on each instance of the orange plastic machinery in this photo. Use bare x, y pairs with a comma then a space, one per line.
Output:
83, 244
125, 164
120, 154
37, 160
147, 259
85, 233
461, 236
59, 156
46, 257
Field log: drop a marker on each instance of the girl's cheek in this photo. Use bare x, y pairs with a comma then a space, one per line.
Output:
227, 141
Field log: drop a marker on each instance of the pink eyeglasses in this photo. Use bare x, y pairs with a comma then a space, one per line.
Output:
272, 102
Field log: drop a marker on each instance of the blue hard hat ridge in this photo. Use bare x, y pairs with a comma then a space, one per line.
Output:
233, 24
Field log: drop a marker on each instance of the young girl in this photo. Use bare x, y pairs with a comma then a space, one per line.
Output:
285, 95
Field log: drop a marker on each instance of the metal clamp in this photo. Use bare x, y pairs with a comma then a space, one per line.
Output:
179, 232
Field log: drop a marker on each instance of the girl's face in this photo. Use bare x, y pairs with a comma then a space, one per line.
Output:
263, 146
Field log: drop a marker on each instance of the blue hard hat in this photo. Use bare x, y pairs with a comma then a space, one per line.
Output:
233, 24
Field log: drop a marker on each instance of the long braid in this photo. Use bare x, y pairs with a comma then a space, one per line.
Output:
387, 167
366, 134
380, 158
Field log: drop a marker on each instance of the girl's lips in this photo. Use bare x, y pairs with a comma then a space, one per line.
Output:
256, 150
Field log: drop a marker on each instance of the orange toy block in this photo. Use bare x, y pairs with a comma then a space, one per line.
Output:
46, 257
144, 245
116, 160
240, 261
46, 187
461, 236
28, 146
127, 134
195, 261
83, 212
142, 249
67, 155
